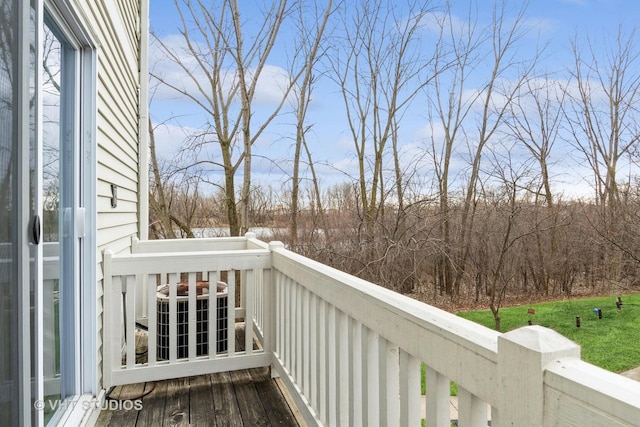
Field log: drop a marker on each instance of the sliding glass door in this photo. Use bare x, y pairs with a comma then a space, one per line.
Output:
19, 208
9, 313
42, 77
62, 210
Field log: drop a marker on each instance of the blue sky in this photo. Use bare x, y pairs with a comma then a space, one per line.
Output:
556, 21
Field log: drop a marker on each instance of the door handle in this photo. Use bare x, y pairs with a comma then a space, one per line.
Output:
35, 230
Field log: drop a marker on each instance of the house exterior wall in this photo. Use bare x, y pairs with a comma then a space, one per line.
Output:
117, 26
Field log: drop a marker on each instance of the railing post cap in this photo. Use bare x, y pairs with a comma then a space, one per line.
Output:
540, 339
276, 244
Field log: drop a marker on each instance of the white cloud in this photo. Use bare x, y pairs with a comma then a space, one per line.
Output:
437, 22
195, 78
170, 139
540, 26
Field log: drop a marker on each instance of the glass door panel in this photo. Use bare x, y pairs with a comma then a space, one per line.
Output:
9, 312
60, 198
18, 208
51, 218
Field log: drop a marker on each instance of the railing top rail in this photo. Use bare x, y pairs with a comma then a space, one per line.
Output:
248, 241
618, 388
172, 262
180, 245
598, 393
254, 243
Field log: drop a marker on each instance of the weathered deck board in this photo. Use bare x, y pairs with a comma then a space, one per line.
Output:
247, 397
226, 399
152, 412
201, 397
177, 408
239, 398
226, 405
279, 414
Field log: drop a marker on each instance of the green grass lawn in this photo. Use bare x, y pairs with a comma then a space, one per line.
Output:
612, 343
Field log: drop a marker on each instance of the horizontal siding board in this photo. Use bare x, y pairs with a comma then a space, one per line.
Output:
118, 243
110, 175
118, 173
114, 220
113, 87
124, 203
130, 10
124, 206
113, 126
126, 56
126, 193
120, 59
118, 222
124, 183
122, 86
113, 98
112, 143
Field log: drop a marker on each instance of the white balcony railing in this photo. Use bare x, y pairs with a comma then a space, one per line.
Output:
129, 278
350, 352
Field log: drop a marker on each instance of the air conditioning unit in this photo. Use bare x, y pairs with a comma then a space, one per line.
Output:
182, 319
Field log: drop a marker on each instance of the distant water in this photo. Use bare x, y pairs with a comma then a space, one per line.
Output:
262, 233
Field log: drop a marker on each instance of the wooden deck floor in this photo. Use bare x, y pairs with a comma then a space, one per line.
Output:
240, 398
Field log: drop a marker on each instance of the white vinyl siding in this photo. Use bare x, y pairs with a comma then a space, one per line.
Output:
116, 27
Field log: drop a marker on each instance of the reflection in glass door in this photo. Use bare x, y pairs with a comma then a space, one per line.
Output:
9, 312
51, 201
18, 209
60, 199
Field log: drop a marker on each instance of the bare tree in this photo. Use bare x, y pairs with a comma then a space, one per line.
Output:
504, 225
602, 118
311, 36
534, 121
221, 73
603, 115
458, 107
160, 222
380, 70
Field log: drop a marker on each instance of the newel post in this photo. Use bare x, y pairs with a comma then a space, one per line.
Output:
523, 355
